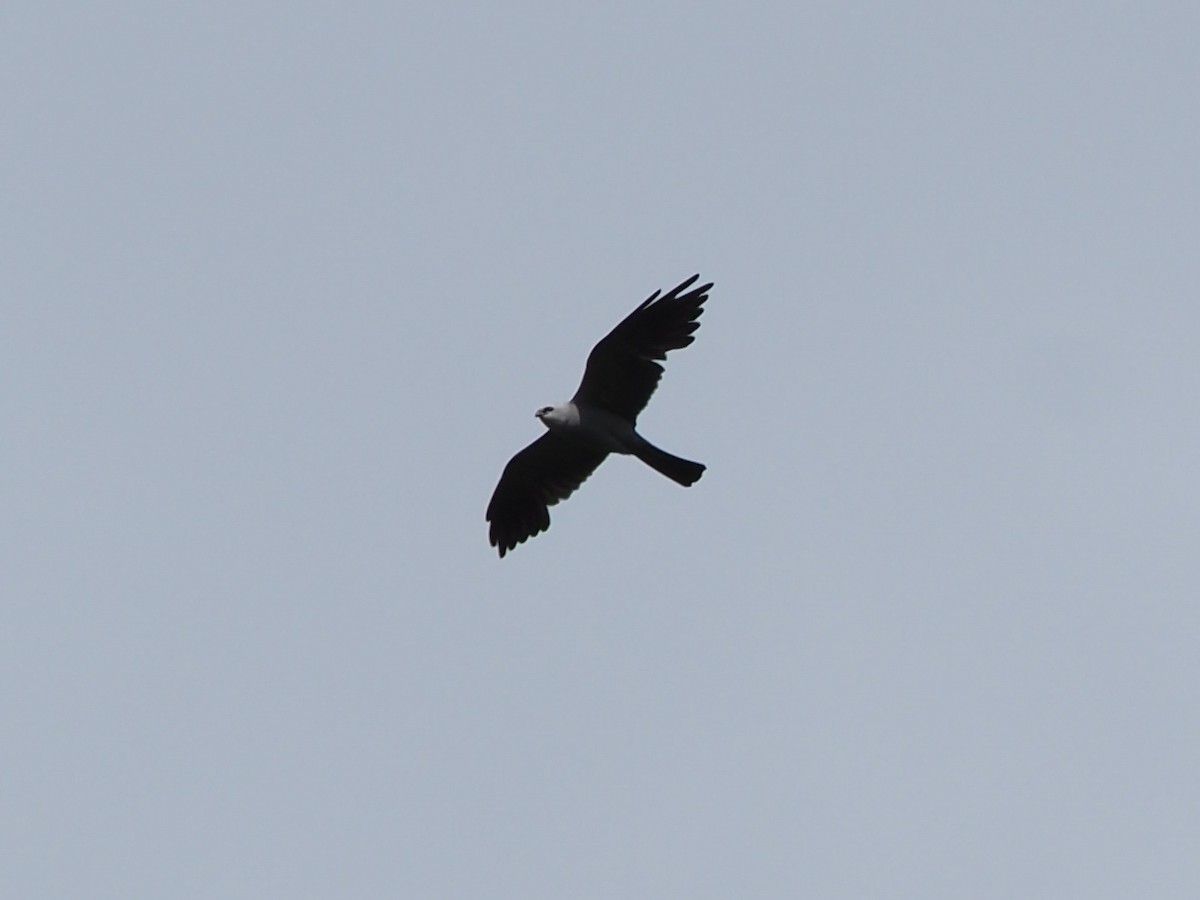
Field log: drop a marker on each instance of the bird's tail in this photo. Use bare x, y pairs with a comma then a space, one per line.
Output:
681, 471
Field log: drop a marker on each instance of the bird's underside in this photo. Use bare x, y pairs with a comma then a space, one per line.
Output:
621, 375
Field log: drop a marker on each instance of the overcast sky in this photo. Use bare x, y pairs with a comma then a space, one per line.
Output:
283, 286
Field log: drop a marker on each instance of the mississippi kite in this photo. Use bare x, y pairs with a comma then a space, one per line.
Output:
619, 379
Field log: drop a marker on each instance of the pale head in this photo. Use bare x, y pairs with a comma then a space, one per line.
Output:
562, 416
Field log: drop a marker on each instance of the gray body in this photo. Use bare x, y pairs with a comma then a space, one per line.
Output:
620, 377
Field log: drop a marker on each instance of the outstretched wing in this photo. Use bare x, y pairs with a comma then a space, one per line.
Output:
548, 470
621, 372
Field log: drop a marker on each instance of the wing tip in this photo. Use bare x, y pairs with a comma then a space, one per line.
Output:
697, 294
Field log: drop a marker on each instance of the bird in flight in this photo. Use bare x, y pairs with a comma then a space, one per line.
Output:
618, 381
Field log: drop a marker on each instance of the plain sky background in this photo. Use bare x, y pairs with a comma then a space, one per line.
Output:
283, 285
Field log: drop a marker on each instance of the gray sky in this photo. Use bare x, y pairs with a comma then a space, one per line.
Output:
284, 285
